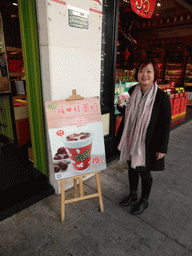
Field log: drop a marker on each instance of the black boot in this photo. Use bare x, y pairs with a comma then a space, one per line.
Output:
133, 184
139, 207
130, 199
143, 202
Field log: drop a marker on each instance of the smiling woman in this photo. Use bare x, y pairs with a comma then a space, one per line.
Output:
146, 74
144, 141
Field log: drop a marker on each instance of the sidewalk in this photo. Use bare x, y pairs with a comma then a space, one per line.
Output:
164, 229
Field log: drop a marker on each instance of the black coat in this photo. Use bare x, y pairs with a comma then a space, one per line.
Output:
157, 136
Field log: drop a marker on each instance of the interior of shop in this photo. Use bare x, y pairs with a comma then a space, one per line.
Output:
10, 31
21, 184
166, 38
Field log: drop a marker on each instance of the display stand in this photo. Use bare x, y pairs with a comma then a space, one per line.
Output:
81, 196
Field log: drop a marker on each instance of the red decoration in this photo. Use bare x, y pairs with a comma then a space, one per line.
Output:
143, 8
163, 53
126, 55
144, 55
185, 54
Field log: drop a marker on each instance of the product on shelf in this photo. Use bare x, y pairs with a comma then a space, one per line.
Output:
174, 73
188, 75
178, 98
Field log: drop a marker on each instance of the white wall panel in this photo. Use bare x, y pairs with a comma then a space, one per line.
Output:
74, 69
70, 57
61, 34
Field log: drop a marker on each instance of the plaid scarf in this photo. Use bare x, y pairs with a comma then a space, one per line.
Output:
137, 117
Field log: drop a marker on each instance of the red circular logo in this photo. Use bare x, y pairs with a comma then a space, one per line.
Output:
143, 8
60, 133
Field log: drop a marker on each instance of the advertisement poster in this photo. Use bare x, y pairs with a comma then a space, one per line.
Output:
76, 136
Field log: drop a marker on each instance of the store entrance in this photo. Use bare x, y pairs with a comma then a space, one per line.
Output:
16, 126
165, 38
128, 39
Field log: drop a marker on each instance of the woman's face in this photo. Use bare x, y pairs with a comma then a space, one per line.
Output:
146, 75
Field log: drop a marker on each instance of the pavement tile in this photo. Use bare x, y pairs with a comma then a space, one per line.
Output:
119, 174
9, 230
83, 248
46, 215
3, 252
21, 248
113, 230
109, 183
125, 231
170, 229
113, 248
36, 233
53, 249
54, 201
58, 232
143, 240
170, 248
121, 215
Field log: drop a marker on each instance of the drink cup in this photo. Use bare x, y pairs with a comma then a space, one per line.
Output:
123, 98
79, 151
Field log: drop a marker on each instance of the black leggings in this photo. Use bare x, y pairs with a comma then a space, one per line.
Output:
146, 181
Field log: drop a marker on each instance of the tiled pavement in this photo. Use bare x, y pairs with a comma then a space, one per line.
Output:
164, 229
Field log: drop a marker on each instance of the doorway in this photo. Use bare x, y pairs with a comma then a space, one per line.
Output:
32, 85
17, 98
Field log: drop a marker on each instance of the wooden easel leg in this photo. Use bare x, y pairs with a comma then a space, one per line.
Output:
81, 197
75, 188
99, 191
62, 201
81, 186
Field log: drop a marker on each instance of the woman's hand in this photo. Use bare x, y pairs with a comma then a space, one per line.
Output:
120, 101
159, 155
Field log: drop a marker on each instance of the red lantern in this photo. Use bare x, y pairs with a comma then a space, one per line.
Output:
163, 53
185, 54
126, 55
144, 55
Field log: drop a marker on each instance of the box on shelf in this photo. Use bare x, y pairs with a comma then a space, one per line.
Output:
20, 86
189, 101
15, 65
178, 99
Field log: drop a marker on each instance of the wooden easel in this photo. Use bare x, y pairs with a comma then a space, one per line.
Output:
81, 197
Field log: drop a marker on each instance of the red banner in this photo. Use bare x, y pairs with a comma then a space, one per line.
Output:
143, 8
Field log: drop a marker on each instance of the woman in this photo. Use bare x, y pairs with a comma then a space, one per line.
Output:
144, 141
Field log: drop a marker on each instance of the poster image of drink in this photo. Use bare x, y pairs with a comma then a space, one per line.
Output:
77, 143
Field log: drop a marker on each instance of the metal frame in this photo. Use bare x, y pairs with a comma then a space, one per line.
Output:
110, 29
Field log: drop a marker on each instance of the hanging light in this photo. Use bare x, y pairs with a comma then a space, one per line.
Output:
15, 4
159, 3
